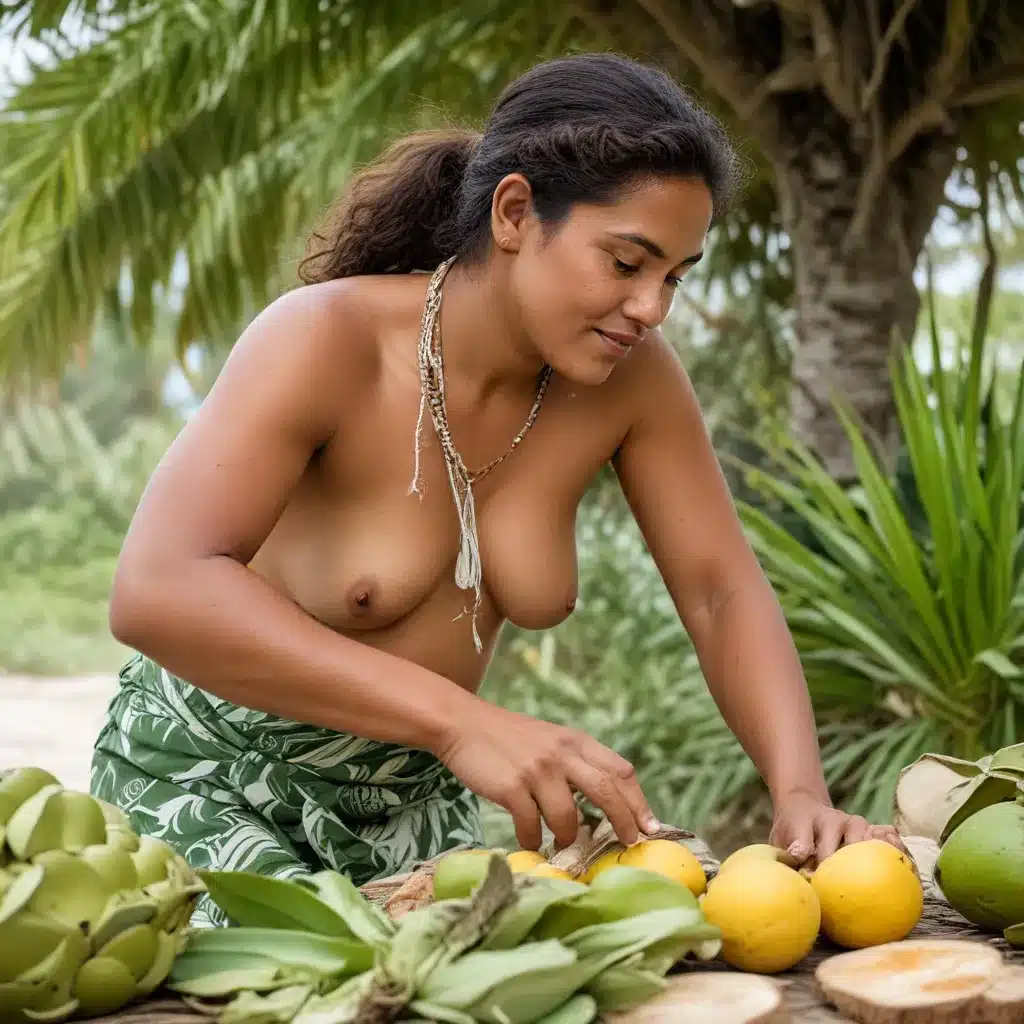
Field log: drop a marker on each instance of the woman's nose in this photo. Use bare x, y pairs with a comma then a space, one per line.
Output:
648, 305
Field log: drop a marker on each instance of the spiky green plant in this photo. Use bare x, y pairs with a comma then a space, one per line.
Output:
911, 633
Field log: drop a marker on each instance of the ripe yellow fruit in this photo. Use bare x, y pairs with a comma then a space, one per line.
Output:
756, 851
869, 894
665, 857
524, 860
768, 914
550, 871
603, 863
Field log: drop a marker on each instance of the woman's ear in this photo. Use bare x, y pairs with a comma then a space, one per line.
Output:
511, 207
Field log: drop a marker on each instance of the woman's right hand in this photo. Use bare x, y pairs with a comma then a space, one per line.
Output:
533, 768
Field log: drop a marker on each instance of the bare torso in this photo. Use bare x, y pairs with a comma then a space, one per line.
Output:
365, 557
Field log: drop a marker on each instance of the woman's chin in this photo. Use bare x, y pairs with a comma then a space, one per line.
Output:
587, 369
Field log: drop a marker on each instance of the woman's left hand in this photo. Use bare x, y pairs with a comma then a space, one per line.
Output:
810, 830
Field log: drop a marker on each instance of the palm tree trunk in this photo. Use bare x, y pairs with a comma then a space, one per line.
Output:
855, 295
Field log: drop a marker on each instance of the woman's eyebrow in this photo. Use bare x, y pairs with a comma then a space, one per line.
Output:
656, 250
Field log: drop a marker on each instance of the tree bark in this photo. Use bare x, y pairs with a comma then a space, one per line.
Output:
851, 292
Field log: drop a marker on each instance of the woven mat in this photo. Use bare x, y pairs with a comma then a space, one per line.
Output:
803, 1000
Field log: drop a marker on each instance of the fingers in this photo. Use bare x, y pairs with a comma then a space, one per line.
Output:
888, 834
857, 829
558, 808
836, 829
624, 775
829, 830
525, 816
796, 838
603, 791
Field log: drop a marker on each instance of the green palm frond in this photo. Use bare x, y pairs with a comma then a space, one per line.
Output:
218, 131
210, 134
49, 17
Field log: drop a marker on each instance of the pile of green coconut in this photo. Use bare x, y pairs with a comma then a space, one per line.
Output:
974, 811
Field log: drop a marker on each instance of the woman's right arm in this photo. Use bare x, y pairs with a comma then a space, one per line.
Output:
182, 591
183, 594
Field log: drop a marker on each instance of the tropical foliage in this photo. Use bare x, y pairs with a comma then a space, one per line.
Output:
71, 473
905, 593
163, 160
155, 135
907, 605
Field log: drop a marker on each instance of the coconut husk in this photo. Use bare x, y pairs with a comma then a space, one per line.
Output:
401, 893
937, 792
595, 841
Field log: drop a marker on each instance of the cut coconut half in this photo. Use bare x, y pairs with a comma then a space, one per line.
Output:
1003, 1001
719, 996
916, 981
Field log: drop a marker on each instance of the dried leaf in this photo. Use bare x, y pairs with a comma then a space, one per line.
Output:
592, 843
937, 792
415, 892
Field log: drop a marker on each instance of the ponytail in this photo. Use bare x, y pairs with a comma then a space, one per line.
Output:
397, 214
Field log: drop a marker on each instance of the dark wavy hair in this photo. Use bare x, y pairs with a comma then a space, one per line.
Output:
580, 129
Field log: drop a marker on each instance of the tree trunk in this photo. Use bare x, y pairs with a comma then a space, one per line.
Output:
851, 292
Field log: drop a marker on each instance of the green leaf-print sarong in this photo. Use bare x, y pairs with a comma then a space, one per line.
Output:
236, 789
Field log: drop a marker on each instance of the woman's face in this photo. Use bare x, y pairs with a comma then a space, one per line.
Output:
589, 291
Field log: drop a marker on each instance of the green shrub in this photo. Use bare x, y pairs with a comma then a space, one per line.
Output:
909, 615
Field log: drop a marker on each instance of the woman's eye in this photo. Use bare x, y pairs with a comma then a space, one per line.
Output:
625, 268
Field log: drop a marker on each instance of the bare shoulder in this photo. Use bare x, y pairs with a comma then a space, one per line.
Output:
655, 383
315, 342
283, 392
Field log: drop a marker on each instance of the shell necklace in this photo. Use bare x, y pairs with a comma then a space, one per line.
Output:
468, 570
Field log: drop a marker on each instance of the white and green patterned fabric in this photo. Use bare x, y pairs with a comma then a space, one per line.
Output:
235, 789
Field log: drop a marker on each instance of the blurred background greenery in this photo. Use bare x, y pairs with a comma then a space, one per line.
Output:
856, 337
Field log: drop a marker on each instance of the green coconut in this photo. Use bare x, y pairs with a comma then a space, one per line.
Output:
980, 868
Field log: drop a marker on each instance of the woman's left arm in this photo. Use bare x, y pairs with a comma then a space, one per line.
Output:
674, 484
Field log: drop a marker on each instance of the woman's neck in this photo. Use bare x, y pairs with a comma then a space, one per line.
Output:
484, 347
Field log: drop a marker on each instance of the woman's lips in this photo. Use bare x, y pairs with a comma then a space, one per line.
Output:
618, 342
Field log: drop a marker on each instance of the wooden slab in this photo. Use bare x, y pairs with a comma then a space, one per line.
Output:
803, 1000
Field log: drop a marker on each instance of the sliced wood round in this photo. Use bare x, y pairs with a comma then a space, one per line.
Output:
918, 981
706, 996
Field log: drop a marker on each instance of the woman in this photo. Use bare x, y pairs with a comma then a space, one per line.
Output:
314, 557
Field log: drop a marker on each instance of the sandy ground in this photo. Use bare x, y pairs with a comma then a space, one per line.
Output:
52, 723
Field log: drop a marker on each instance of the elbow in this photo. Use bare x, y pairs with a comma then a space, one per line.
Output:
123, 616
132, 610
